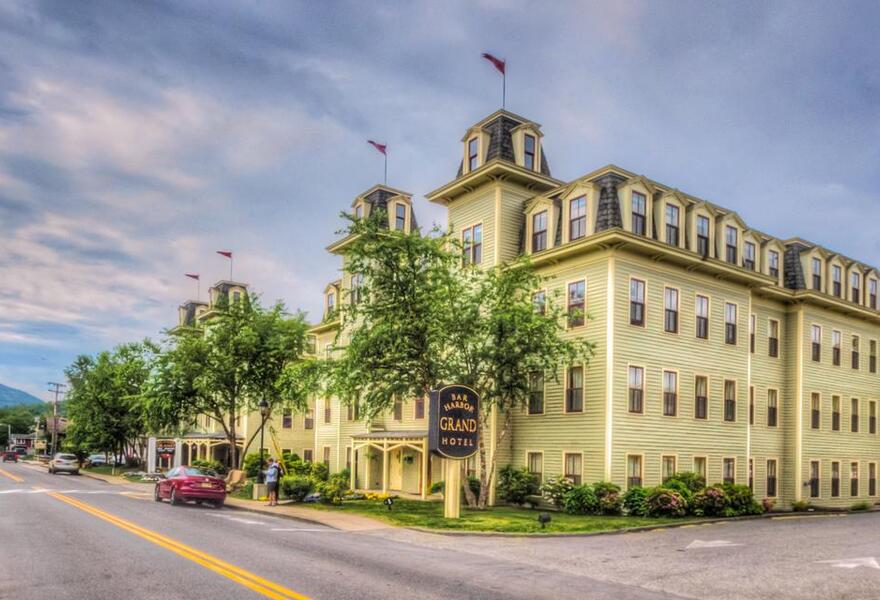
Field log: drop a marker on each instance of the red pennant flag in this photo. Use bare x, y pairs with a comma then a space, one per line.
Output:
380, 147
497, 62
225, 253
192, 276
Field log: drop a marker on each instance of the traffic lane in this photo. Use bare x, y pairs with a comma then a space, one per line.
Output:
52, 550
326, 563
768, 558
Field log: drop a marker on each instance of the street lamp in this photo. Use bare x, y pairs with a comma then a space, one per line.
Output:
264, 410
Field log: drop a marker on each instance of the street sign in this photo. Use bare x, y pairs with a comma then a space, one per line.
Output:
453, 423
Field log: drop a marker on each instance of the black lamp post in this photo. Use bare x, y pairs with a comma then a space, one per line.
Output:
264, 410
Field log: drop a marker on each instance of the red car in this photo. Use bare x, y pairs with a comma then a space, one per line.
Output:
183, 484
10, 456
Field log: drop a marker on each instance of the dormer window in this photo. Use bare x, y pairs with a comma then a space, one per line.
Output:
359, 211
856, 288
835, 281
472, 244
473, 145
236, 296
638, 213
749, 256
730, 237
817, 274
703, 236
672, 224
773, 259
357, 281
577, 222
331, 303
400, 217
539, 231
872, 293
529, 152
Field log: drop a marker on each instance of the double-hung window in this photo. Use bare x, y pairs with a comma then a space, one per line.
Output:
702, 313
855, 282
672, 224
397, 413
419, 408
835, 413
872, 417
636, 302
816, 337
309, 419
328, 411
536, 465
817, 274
667, 467
855, 352
872, 293
730, 238
773, 339
638, 213
835, 479
472, 244
577, 218
773, 257
772, 408
835, 348
400, 217
703, 236
854, 479
771, 478
670, 393
730, 401
751, 405
836, 284
530, 147
536, 393
539, 231
854, 415
872, 479
814, 479
730, 323
473, 153
574, 394
287, 419
701, 397
670, 313
633, 471
539, 301
573, 468
729, 472
749, 256
815, 410
753, 322
576, 303
636, 389
357, 283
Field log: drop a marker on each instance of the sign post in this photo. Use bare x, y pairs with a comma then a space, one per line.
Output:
453, 434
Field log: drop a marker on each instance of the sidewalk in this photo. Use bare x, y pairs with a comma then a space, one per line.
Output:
328, 518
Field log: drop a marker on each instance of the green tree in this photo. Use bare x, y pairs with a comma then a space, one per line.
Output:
224, 367
105, 400
21, 418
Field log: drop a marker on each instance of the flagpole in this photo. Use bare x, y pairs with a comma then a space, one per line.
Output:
504, 89
386, 167
198, 290
230, 268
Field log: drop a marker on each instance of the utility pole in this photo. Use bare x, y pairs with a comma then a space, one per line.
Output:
58, 388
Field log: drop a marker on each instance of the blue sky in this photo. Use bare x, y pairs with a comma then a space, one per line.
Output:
136, 138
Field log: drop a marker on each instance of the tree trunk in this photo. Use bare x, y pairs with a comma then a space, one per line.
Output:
487, 472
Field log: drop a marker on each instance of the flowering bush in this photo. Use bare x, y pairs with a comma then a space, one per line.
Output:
516, 485
555, 488
709, 502
741, 500
610, 501
634, 501
580, 500
663, 502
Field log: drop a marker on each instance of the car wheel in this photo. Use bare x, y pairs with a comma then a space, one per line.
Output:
218, 503
51, 471
174, 500
156, 495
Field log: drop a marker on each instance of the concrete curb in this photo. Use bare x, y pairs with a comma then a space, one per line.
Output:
256, 511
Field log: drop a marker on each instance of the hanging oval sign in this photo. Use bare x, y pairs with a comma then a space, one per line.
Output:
454, 422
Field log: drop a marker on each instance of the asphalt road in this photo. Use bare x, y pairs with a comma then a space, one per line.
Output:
77, 538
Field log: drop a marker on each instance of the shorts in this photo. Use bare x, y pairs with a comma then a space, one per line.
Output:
272, 486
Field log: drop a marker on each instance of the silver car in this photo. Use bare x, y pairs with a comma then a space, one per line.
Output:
64, 463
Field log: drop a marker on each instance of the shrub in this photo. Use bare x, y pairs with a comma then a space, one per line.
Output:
252, 463
437, 487
295, 487
334, 489
709, 502
474, 484
690, 480
635, 501
300, 468
580, 500
320, 471
664, 502
768, 504
863, 505
682, 488
210, 465
555, 488
741, 500
801, 505
516, 485
610, 501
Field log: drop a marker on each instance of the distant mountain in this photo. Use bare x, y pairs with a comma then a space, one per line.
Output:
10, 397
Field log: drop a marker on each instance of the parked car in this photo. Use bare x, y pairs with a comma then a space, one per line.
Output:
10, 456
97, 460
185, 484
64, 463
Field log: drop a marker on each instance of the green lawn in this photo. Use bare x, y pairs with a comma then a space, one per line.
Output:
413, 513
108, 470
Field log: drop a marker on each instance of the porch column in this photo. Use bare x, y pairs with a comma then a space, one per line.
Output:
385, 467
367, 464
353, 470
425, 459
151, 455
178, 452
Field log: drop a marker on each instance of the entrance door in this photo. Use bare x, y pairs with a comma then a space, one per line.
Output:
395, 480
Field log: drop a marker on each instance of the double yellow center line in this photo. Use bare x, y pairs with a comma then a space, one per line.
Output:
212, 563
12, 476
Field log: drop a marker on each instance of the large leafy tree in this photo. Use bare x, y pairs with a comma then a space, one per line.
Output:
20, 418
422, 319
225, 367
105, 400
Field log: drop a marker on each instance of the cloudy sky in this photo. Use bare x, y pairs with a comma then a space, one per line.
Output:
136, 138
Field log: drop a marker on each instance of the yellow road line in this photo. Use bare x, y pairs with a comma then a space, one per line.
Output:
12, 476
241, 576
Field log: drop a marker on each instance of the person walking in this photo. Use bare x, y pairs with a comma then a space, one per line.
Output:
273, 473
